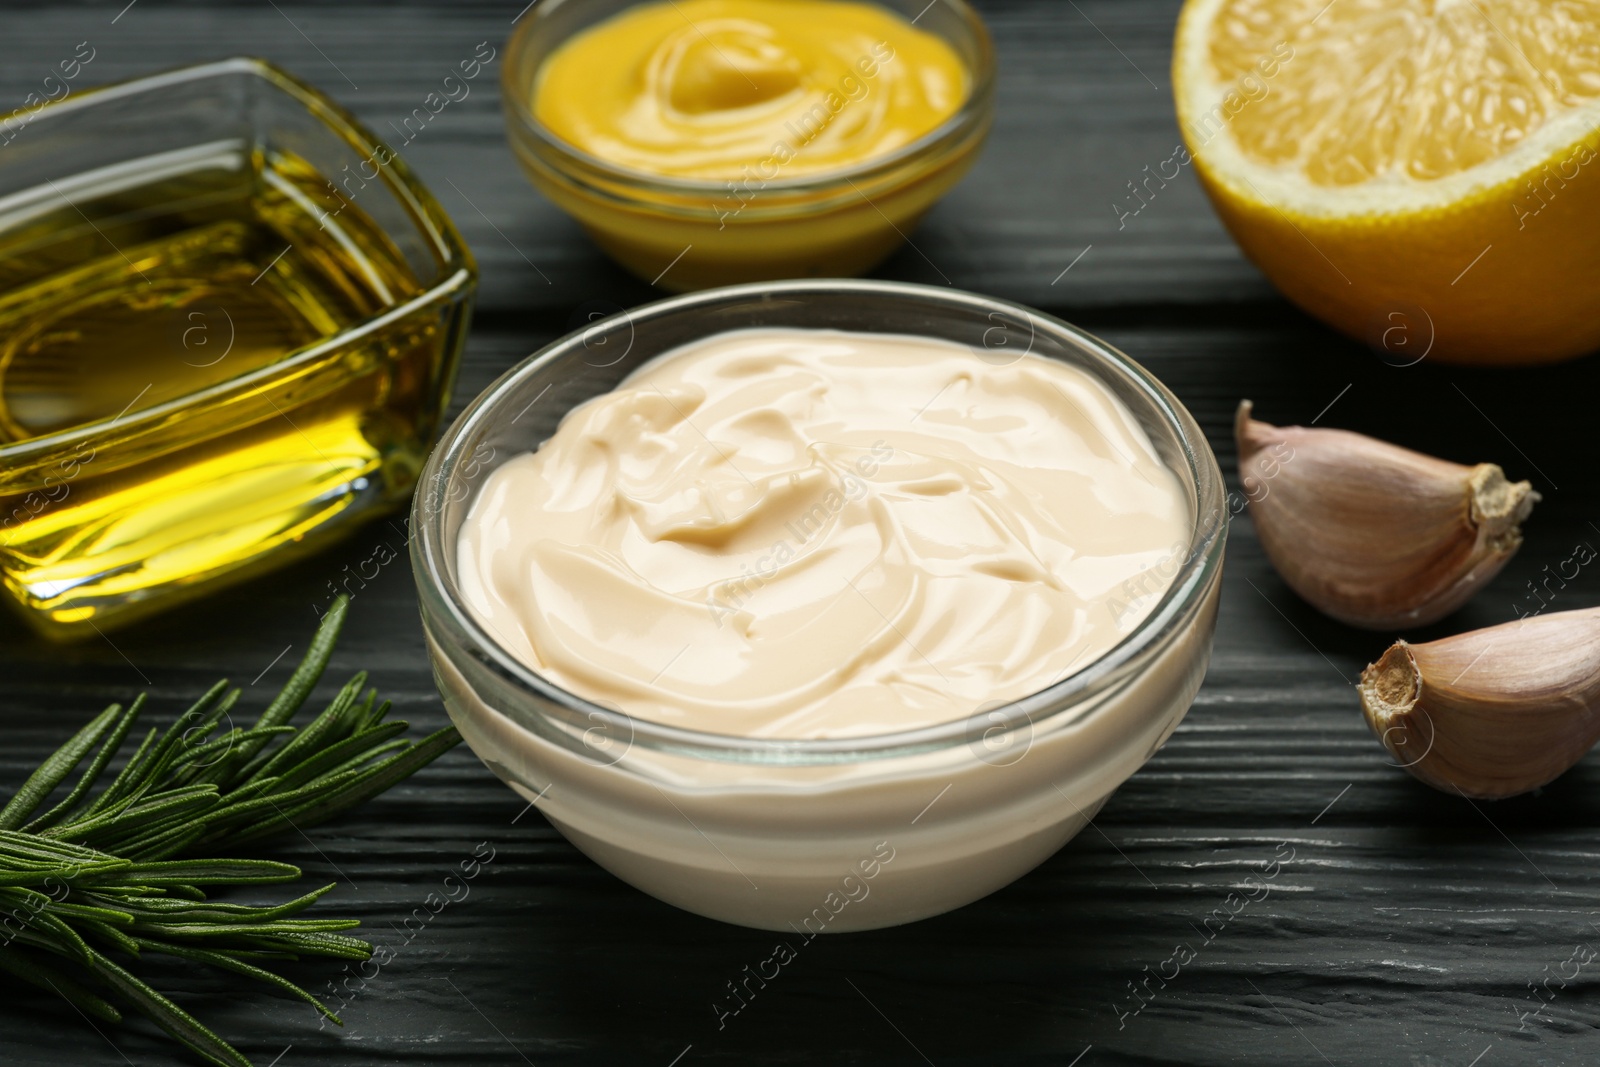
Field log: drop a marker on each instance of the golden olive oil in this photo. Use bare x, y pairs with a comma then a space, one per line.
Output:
200, 367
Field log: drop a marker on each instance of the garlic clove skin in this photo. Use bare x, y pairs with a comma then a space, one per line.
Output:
1494, 712
1376, 535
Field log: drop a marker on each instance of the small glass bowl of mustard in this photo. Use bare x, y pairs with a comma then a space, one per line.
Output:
711, 142
815, 835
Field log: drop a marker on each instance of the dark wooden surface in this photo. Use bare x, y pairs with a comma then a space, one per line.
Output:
1406, 929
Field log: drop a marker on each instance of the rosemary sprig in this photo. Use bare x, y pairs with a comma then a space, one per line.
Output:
114, 873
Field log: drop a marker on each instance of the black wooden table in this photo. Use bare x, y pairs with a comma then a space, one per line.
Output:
1405, 927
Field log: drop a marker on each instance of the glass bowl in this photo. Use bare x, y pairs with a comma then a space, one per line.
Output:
684, 234
230, 321
811, 836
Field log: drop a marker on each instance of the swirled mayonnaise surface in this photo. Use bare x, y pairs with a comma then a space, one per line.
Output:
735, 88
812, 534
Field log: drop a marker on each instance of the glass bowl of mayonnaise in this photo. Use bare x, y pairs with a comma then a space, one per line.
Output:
710, 142
817, 606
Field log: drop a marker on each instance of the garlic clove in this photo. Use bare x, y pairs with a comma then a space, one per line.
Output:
1373, 534
1494, 712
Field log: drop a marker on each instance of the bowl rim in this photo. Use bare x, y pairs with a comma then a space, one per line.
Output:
457, 273
973, 114
1183, 597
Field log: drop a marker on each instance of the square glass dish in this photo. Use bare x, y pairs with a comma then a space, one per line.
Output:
230, 321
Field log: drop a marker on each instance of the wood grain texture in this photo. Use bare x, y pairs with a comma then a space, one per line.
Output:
1405, 929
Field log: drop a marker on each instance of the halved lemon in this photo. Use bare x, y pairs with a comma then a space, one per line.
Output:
1421, 174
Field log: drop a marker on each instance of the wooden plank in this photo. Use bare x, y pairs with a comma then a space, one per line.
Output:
1405, 928
1406, 919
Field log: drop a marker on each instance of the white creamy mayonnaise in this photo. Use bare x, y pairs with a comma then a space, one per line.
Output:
814, 534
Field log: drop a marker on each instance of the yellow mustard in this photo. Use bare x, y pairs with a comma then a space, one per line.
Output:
706, 142
734, 88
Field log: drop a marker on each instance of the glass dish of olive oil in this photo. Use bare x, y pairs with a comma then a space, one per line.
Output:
230, 320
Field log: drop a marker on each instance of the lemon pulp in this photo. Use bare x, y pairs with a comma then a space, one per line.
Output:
1422, 158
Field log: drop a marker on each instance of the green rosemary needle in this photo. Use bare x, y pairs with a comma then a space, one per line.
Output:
109, 874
